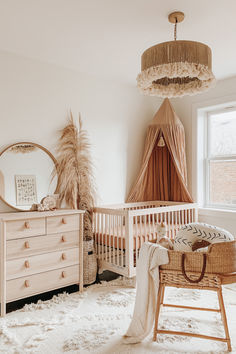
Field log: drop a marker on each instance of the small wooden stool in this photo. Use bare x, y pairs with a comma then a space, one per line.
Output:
209, 281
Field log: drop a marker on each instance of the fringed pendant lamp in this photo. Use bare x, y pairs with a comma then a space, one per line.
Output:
176, 68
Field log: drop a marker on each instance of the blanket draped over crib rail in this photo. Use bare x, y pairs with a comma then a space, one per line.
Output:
151, 257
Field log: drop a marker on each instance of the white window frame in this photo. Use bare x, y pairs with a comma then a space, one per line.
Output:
208, 158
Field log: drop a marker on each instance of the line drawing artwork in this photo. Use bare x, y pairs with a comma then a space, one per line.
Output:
26, 193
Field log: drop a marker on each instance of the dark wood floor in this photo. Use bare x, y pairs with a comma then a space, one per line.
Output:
12, 306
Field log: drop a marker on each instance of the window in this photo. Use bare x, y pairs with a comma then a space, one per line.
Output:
220, 159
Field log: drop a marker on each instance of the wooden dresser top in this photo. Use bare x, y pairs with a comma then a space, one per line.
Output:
37, 214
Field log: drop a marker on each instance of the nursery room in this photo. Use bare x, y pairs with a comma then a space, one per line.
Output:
117, 176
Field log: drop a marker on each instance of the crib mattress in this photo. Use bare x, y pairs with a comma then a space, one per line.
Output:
116, 238
114, 241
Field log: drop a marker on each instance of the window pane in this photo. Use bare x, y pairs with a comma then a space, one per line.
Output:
223, 182
222, 130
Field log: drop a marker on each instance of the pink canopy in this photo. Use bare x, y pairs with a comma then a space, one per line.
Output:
163, 174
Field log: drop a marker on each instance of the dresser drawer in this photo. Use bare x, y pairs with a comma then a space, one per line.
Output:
38, 283
40, 244
44, 262
62, 223
24, 228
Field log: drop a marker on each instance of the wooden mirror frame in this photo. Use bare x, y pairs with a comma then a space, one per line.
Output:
26, 143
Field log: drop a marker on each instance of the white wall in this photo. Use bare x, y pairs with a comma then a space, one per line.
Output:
36, 97
186, 107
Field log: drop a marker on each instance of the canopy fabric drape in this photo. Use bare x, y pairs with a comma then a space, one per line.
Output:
163, 174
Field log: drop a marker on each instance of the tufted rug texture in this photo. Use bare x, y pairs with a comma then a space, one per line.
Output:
94, 322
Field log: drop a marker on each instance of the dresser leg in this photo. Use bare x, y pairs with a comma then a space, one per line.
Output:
81, 253
3, 309
3, 268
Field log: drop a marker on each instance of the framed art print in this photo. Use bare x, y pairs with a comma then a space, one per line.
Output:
26, 193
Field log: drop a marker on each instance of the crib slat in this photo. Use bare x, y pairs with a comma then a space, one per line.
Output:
99, 235
149, 228
153, 225
113, 238
95, 232
122, 242
145, 229
136, 238
173, 225
195, 215
159, 218
182, 217
168, 224
118, 241
109, 239
105, 230
176, 223
103, 234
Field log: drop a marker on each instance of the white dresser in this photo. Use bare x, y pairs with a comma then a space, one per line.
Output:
39, 252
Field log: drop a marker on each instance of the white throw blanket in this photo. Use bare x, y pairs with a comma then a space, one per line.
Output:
150, 258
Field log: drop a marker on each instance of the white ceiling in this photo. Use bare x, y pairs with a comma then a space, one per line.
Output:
107, 37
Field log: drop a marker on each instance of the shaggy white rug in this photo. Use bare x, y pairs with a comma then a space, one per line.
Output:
94, 322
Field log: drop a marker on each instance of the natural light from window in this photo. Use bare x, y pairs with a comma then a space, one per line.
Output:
221, 159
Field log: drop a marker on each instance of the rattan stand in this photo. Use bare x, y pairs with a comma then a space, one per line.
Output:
210, 281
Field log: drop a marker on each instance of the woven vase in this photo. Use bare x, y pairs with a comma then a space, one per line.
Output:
90, 262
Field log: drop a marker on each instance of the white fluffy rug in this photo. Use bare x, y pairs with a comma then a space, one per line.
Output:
95, 321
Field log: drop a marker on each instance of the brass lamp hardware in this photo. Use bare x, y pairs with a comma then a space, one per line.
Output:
63, 256
27, 264
27, 244
27, 284
27, 225
63, 220
63, 274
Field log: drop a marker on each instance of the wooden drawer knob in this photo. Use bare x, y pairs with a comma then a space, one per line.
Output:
27, 284
27, 264
27, 244
63, 274
63, 238
27, 225
63, 220
63, 256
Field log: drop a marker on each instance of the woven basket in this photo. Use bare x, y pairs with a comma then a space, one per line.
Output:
220, 259
177, 279
90, 262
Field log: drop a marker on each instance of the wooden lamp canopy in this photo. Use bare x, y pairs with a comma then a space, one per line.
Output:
176, 68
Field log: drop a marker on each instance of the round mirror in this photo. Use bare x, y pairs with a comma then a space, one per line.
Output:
26, 175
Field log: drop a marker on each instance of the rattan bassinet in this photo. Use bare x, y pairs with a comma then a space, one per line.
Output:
220, 259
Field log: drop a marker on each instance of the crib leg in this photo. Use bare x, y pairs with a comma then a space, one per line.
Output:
160, 297
224, 318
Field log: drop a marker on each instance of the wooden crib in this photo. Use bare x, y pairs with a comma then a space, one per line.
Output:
120, 230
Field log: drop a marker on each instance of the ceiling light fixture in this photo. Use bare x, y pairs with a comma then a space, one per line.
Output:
176, 68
